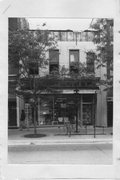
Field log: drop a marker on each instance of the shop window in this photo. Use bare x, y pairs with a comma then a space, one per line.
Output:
74, 61
33, 68
54, 61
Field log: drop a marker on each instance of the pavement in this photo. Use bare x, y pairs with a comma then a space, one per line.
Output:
57, 135
61, 154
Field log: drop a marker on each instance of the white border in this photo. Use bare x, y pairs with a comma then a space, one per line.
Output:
50, 9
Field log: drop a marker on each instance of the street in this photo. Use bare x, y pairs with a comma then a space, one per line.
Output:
91, 153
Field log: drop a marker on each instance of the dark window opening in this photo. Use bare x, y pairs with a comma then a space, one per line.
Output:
12, 113
33, 68
87, 98
54, 61
54, 68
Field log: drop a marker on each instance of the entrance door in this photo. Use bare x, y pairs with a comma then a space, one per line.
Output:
12, 115
87, 114
88, 109
110, 114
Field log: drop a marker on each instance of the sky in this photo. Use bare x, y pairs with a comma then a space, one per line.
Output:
59, 23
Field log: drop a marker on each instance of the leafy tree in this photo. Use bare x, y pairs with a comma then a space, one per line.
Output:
27, 50
104, 40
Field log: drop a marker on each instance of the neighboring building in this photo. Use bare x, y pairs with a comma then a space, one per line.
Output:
91, 101
17, 24
13, 111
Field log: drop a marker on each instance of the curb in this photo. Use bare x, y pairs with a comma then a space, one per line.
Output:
58, 142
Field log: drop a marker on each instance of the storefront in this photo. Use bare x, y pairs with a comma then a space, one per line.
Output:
75, 101
55, 109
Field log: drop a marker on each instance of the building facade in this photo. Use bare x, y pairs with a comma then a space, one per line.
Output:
85, 101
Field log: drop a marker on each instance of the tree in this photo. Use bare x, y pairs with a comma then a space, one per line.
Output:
27, 51
104, 40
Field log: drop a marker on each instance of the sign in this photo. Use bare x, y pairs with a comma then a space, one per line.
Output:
68, 83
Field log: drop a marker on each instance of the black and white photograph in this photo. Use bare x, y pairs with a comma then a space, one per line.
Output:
60, 90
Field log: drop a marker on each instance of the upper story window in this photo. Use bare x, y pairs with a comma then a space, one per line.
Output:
72, 36
74, 61
90, 62
33, 68
54, 61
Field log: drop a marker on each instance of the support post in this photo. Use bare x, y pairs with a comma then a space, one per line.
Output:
95, 100
53, 108
76, 112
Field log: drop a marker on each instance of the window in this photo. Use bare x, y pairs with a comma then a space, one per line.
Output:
90, 62
84, 36
33, 68
54, 61
63, 36
74, 61
90, 36
70, 36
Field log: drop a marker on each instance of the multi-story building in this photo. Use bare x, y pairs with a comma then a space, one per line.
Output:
85, 100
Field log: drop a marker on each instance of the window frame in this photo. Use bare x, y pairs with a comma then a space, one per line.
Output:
70, 54
57, 63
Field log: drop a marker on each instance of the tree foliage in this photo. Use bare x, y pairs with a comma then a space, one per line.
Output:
104, 40
27, 49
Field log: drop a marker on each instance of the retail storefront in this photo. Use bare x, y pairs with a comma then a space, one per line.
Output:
75, 101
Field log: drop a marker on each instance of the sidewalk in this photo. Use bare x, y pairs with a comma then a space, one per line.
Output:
55, 135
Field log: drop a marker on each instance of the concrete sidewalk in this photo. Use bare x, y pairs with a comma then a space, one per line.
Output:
57, 135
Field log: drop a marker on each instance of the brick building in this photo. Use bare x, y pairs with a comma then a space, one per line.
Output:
91, 102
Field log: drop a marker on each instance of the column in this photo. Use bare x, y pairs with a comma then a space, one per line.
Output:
81, 110
101, 119
39, 111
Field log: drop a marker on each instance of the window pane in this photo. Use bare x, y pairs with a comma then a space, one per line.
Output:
56, 35
54, 61
70, 36
74, 60
63, 36
84, 36
74, 56
54, 56
90, 36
